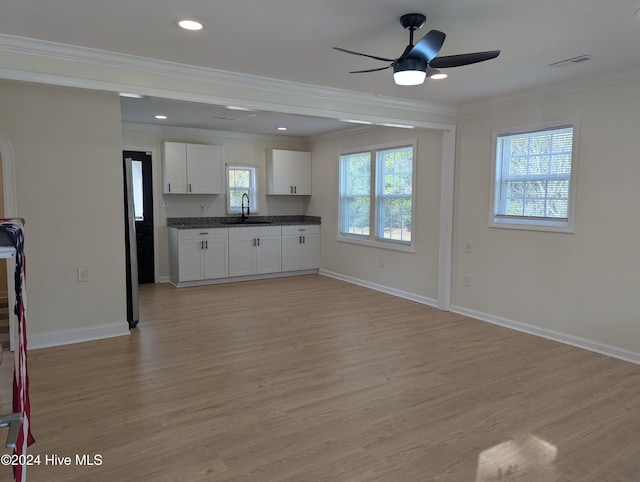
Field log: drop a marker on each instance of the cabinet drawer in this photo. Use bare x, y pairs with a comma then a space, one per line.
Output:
208, 233
300, 229
255, 231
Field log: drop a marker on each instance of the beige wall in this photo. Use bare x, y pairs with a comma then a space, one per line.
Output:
3, 262
67, 147
238, 150
584, 284
68, 164
413, 273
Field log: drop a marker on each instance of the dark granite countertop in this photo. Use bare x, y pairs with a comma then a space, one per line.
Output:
234, 221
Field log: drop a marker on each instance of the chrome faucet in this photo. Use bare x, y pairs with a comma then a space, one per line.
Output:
244, 194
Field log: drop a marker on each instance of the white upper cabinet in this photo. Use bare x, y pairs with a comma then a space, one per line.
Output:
288, 172
192, 169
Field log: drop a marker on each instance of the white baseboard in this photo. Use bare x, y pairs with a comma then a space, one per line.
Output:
576, 341
65, 337
236, 279
384, 289
163, 279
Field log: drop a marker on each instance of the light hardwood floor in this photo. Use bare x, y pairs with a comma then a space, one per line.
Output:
313, 379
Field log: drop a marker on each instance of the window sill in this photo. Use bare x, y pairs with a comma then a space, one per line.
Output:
407, 248
530, 225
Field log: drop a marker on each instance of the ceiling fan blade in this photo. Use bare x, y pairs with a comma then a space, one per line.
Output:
370, 70
428, 46
463, 59
363, 55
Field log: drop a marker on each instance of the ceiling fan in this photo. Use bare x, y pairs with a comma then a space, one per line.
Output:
412, 66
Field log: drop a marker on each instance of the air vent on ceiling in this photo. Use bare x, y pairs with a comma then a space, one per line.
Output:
574, 60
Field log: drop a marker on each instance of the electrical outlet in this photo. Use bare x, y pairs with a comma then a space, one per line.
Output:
83, 275
203, 208
467, 280
381, 261
468, 247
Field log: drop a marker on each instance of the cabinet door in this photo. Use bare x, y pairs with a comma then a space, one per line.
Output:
205, 171
310, 251
190, 254
291, 251
269, 252
281, 172
241, 254
215, 258
301, 173
174, 168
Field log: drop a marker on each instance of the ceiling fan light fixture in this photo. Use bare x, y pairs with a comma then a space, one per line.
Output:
435, 74
410, 71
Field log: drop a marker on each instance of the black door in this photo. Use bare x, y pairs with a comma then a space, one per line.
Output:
143, 202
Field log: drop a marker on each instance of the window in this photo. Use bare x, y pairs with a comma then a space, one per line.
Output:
241, 180
376, 196
138, 191
534, 178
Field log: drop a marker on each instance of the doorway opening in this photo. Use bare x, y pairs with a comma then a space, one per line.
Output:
142, 178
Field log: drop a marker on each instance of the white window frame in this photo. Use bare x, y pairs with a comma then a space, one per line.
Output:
562, 225
375, 215
253, 188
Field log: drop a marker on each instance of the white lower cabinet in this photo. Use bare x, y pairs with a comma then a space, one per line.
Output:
255, 250
198, 254
300, 247
209, 255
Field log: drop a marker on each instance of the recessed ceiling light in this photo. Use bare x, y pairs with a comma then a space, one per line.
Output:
401, 126
356, 121
282, 128
130, 95
251, 114
190, 25
438, 76
236, 107
161, 116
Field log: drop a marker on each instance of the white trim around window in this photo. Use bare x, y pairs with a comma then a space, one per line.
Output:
241, 180
376, 198
533, 183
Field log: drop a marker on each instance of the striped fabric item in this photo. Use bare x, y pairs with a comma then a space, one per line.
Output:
14, 229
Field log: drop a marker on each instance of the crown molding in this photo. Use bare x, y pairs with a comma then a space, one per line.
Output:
85, 55
551, 90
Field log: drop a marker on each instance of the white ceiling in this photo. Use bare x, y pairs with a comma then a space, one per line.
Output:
283, 39
193, 115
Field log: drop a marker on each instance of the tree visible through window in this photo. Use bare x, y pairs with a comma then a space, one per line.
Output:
241, 180
356, 174
534, 177
376, 195
395, 193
